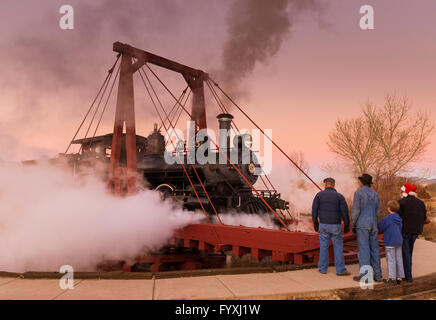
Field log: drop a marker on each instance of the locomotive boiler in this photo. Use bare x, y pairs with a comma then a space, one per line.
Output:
227, 190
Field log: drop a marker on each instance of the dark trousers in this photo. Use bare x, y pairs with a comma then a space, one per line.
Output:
408, 242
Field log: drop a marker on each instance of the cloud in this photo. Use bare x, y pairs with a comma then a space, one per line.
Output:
49, 219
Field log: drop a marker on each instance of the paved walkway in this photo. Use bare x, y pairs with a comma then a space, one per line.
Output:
279, 285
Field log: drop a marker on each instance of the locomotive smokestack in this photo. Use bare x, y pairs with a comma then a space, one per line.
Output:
225, 120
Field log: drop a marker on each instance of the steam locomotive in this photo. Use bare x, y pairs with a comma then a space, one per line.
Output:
227, 189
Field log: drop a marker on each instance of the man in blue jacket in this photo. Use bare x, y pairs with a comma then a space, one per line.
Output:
364, 220
329, 208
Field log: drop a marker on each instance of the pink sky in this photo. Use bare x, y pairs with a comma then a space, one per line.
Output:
318, 75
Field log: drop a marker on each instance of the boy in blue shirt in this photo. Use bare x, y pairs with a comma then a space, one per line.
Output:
391, 227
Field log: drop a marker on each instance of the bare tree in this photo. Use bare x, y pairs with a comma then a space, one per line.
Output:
401, 138
300, 181
353, 141
300, 159
383, 141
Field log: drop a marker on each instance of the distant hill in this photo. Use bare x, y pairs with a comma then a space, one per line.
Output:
423, 181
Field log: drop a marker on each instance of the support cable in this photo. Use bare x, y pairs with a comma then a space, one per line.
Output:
105, 106
98, 108
177, 120
192, 166
168, 90
93, 102
233, 165
170, 114
265, 135
251, 186
151, 97
224, 109
181, 162
184, 169
176, 104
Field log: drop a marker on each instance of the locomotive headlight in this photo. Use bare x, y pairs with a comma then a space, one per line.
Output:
251, 168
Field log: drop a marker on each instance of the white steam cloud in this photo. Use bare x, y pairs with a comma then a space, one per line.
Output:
300, 192
248, 220
49, 219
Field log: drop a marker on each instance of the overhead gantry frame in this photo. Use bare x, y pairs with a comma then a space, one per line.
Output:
132, 59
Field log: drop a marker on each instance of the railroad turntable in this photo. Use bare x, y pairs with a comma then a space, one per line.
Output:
269, 283
205, 173
202, 253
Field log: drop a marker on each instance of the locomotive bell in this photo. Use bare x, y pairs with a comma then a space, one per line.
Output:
225, 120
155, 143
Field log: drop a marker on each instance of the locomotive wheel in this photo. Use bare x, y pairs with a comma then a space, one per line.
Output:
165, 189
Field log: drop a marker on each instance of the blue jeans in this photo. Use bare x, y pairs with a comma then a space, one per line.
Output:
369, 252
331, 232
394, 260
408, 243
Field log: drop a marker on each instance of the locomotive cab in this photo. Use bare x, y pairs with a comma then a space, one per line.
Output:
100, 147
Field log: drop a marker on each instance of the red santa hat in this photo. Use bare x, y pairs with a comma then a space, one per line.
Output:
408, 190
